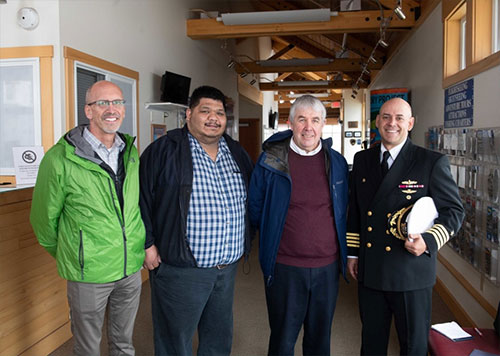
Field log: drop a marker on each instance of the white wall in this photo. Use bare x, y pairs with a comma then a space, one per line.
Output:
147, 36
418, 67
47, 33
353, 111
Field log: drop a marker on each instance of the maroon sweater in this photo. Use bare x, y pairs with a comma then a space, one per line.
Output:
309, 237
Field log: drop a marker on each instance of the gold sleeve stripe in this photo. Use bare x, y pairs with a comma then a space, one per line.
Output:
440, 234
352, 239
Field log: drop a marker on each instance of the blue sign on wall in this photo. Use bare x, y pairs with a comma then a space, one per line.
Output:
459, 105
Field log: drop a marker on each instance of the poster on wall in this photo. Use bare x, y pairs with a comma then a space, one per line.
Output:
26, 163
459, 105
377, 99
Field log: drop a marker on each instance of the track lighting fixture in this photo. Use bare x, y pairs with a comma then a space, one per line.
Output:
231, 64
372, 59
253, 81
383, 43
399, 11
243, 75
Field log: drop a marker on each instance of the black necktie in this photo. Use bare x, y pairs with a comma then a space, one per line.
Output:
384, 165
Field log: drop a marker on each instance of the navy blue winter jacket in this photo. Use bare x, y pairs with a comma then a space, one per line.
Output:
269, 197
166, 174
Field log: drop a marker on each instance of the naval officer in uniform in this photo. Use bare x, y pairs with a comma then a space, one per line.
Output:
395, 277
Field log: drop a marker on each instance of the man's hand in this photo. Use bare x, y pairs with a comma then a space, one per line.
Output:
152, 259
416, 246
352, 267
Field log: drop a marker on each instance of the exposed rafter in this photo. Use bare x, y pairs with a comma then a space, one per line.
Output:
341, 64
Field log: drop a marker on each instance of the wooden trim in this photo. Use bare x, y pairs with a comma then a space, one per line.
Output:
249, 92
69, 82
46, 95
70, 56
474, 69
26, 52
100, 63
448, 7
480, 28
490, 309
452, 303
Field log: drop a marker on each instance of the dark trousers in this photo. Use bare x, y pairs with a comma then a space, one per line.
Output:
184, 299
412, 314
302, 296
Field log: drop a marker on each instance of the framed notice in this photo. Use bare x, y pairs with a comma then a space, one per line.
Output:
157, 131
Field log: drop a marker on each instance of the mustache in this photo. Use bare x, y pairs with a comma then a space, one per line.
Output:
213, 123
111, 114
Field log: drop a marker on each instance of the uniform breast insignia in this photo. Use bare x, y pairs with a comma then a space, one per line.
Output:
410, 186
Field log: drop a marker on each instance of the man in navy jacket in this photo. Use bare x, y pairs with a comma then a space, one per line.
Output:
194, 185
298, 200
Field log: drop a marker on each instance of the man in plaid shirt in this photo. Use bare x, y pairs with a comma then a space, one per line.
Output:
194, 184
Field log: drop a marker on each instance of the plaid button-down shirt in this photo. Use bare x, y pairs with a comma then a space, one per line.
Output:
216, 216
110, 156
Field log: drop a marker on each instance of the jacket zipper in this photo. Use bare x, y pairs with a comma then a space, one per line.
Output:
122, 224
81, 259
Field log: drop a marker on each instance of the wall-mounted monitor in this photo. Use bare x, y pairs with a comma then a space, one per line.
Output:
175, 88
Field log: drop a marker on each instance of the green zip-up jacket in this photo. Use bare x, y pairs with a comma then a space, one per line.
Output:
77, 216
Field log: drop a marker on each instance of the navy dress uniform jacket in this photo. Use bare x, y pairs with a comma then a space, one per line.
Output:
384, 263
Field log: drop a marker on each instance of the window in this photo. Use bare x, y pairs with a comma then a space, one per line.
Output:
26, 103
19, 108
471, 38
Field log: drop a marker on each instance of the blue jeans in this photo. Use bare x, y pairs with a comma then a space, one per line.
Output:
186, 298
302, 296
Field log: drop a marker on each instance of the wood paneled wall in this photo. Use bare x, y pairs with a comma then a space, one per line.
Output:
34, 314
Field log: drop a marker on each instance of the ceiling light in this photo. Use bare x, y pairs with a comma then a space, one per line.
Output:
355, 92
230, 64
299, 83
295, 62
243, 75
266, 17
383, 43
366, 71
399, 11
252, 82
353, 96
317, 95
372, 59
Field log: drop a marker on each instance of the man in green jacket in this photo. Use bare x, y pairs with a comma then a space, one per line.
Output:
85, 213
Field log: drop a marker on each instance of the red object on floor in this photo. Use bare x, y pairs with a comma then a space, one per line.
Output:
440, 345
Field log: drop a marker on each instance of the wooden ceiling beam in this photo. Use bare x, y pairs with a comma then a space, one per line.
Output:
282, 52
338, 65
355, 21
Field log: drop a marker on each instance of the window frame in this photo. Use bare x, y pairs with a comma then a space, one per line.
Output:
478, 45
44, 55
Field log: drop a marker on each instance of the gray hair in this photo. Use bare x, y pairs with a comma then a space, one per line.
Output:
307, 101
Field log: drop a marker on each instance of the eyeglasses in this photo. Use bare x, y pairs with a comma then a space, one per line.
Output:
107, 103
